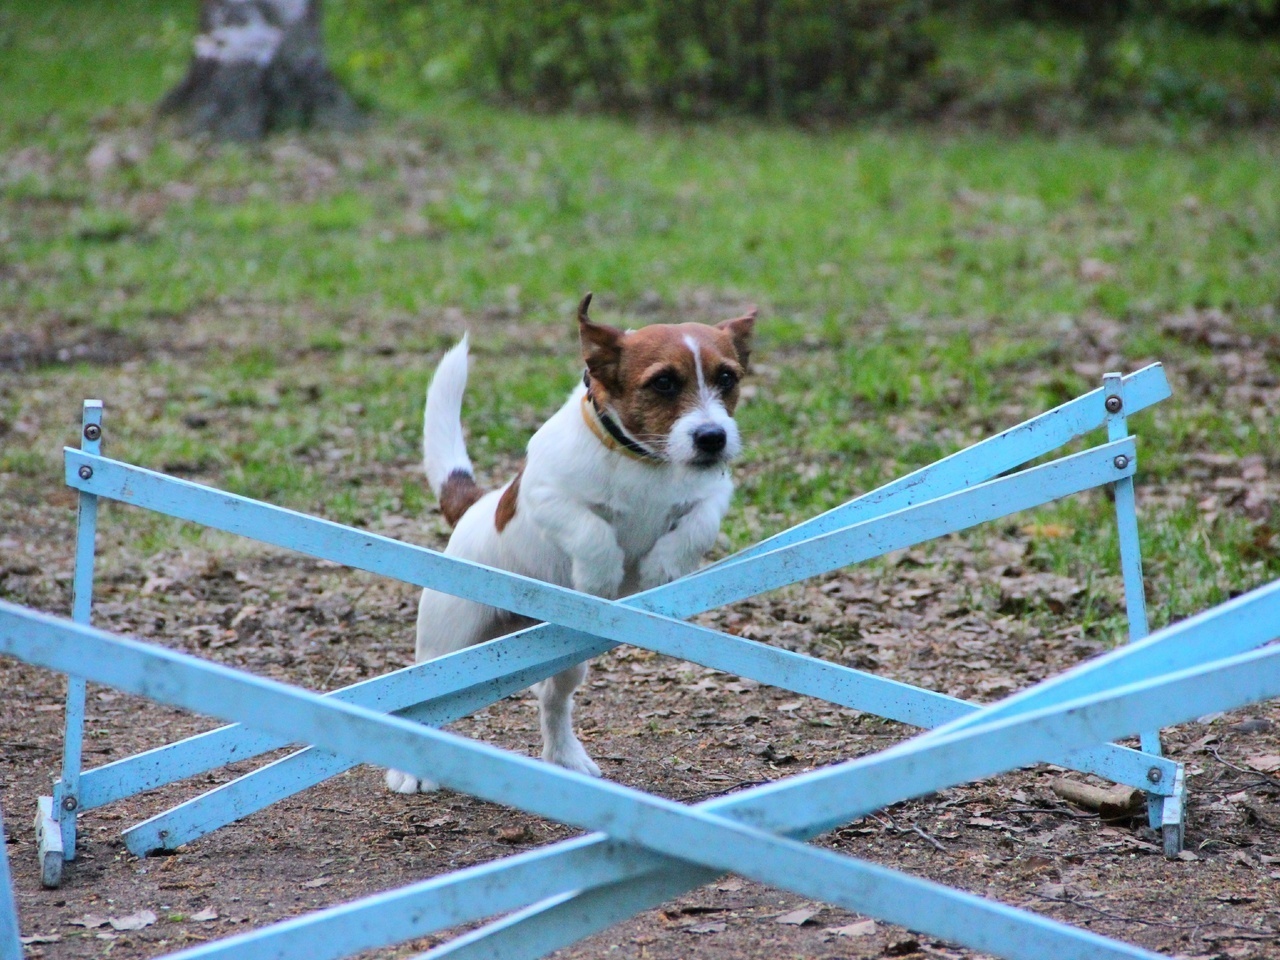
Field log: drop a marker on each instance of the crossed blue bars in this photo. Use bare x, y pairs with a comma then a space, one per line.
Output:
950, 495
650, 849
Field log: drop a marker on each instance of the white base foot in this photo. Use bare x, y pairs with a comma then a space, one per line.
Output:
49, 838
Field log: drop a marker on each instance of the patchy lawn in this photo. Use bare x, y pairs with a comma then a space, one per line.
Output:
265, 320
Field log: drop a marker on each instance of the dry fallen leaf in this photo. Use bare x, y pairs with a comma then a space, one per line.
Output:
208, 913
134, 921
520, 834
863, 928
154, 584
317, 882
90, 921
40, 938
797, 918
715, 926
1094, 270
1264, 763
102, 159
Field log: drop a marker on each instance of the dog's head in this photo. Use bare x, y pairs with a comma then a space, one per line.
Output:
672, 388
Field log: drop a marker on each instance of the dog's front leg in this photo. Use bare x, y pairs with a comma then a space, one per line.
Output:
681, 549
597, 566
597, 563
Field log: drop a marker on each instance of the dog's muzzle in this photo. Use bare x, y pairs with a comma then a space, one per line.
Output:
710, 440
709, 443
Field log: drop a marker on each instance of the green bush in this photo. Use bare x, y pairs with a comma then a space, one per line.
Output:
1241, 16
693, 57
1054, 63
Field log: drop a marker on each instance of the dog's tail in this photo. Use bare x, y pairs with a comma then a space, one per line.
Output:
444, 451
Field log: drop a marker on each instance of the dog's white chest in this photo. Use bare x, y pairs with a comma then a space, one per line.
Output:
638, 525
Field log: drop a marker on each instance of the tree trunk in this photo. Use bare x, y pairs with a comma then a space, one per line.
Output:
259, 66
1096, 79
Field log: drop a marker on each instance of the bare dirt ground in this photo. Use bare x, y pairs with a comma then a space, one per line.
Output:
951, 618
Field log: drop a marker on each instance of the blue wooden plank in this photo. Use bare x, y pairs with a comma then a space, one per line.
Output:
628, 815
10, 946
991, 457
474, 682
906, 527
772, 570
421, 908
543, 601
533, 598
201, 753
783, 806
926, 764
66, 795
758, 661
631, 622
883, 893
658, 824
991, 747
184, 759
254, 791
260, 788
1254, 618
796, 672
995, 745
1135, 594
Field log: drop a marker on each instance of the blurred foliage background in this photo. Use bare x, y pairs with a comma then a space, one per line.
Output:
1048, 62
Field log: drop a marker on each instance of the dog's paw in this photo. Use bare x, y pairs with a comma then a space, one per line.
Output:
571, 757
599, 580
657, 569
400, 782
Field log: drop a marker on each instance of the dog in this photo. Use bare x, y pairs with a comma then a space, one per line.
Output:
623, 489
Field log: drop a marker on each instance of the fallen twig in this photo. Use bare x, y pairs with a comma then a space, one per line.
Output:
1112, 803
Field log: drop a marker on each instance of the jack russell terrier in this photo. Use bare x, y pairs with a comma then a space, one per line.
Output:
623, 489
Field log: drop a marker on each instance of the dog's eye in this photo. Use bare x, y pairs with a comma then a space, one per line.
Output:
726, 380
665, 385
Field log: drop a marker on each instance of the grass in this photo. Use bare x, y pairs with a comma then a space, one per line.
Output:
920, 288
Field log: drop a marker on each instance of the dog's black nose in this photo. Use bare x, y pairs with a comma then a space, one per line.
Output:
709, 438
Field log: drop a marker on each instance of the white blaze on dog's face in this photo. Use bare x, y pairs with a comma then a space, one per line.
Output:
672, 387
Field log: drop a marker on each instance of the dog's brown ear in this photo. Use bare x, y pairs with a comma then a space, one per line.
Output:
601, 346
741, 330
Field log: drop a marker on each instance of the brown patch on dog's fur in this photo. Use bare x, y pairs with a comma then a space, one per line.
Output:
457, 494
622, 366
507, 502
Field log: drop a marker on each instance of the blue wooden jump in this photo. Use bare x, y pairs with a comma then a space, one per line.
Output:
648, 848
643, 855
